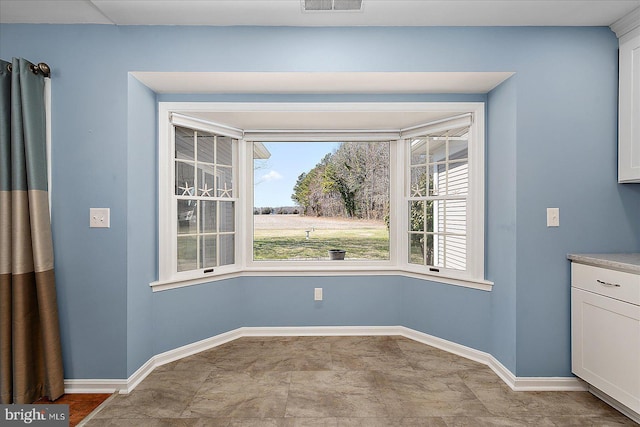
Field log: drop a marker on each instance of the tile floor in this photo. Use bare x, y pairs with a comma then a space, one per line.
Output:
341, 381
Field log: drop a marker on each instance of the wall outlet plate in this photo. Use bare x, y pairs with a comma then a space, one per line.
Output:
99, 217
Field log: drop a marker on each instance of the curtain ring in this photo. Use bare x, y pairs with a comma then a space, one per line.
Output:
41, 68
9, 68
44, 69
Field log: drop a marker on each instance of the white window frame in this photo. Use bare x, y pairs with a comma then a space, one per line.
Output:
475, 199
397, 264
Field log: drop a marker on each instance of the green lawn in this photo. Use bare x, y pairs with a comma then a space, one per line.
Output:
371, 243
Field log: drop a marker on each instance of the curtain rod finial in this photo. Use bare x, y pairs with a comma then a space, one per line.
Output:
44, 68
40, 68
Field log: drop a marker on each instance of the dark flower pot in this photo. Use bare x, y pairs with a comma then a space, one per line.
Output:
336, 254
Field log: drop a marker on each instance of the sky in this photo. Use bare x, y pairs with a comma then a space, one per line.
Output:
274, 180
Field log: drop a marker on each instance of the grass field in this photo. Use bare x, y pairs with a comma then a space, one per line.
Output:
283, 237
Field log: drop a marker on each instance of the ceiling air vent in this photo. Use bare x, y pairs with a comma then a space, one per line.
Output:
329, 5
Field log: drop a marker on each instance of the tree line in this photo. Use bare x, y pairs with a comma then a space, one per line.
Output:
351, 182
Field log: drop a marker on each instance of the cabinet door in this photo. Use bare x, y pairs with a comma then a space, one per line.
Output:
605, 343
629, 108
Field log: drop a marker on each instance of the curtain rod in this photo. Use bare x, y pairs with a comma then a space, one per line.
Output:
41, 68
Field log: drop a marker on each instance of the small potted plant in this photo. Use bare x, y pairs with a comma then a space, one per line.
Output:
337, 254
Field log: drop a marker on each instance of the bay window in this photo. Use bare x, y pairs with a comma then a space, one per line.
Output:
425, 206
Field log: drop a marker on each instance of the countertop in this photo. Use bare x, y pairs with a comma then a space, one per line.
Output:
623, 262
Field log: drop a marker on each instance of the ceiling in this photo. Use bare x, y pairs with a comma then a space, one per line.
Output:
289, 12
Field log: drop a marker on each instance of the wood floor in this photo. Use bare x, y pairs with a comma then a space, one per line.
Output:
80, 405
341, 381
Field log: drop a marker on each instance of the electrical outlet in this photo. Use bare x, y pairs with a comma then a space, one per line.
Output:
553, 217
317, 294
99, 217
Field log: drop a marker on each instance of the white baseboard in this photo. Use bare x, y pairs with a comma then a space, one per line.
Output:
94, 386
196, 347
515, 383
319, 331
614, 403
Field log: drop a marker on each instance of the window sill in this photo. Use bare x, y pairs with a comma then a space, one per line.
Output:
165, 285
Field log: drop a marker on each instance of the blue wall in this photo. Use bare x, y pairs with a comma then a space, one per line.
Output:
501, 166
551, 142
142, 223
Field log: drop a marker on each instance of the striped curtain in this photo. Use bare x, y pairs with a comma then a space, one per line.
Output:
30, 350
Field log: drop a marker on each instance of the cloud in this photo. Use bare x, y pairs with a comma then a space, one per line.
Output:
270, 176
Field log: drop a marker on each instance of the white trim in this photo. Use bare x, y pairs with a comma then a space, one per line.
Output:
165, 285
205, 125
427, 106
94, 386
438, 125
197, 347
320, 331
627, 23
111, 386
614, 403
515, 383
315, 136
139, 375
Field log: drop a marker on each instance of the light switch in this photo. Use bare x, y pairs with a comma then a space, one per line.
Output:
317, 294
553, 217
99, 217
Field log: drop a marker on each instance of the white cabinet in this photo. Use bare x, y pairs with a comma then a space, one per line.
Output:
605, 333
629, 108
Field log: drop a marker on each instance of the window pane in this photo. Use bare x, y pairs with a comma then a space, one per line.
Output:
438, 215
208, 254
418, 181
224, 151
437, 179
416, 249
437, 150
227, 216
206, 183
456, 221
227, 249
435, 250
455, 252
225, 182
458, 178
416, 216
184, 144
418, 151
340, 200
187, 216
208, 215
187, 253
421, 215
206, 144
184, 179
458, 149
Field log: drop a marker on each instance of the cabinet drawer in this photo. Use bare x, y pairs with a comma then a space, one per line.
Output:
612, 283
